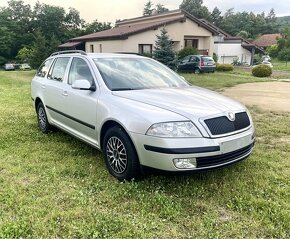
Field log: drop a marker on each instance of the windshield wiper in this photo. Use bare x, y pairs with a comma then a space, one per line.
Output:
121, 89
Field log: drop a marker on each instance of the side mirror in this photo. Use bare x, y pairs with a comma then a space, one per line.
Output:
83, 85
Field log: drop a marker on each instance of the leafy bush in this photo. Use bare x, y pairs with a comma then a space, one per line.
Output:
186, 52
224, 67
262, 71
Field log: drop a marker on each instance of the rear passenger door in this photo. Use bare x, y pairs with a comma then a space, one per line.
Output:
81, 105
54, 97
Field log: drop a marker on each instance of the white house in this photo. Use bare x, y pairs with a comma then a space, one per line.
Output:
138, 35
229, 48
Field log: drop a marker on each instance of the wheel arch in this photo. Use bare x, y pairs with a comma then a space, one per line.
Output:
106, 126
109, 124
36, 102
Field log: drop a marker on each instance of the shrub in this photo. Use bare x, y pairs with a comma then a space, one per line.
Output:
262, 71
186, 52
224, 67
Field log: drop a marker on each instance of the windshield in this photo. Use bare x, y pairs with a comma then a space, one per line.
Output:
136, 73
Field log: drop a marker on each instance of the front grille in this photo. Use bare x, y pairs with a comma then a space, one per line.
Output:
222, 125
223, 158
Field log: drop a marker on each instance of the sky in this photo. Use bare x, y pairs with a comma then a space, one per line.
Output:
111, 10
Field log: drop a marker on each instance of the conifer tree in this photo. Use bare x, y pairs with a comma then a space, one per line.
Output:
164, 51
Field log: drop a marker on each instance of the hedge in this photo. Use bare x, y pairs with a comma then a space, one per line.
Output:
224, 67
262, 71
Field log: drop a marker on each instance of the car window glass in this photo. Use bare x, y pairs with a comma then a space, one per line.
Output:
185, 59
58, 70
207, 59
79, 70
193, 59
43, 69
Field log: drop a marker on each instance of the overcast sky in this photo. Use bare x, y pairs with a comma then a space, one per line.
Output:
110, 10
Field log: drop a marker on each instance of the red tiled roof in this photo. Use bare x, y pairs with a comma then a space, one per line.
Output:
267, 40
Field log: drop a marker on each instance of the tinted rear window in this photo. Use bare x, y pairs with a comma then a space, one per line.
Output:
206, 59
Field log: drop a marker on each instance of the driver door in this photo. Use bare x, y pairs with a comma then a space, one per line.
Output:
81, 105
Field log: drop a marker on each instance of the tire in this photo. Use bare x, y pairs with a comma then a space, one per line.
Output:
197, 71
120, 155
43, 123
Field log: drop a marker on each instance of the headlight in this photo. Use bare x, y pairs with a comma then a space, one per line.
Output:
174, 130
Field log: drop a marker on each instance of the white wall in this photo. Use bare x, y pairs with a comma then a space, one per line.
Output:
228, 51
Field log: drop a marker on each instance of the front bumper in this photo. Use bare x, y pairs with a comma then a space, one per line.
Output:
209, 153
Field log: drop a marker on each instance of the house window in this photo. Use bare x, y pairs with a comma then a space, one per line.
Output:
145, 49
191, 43
92, 48
101, 48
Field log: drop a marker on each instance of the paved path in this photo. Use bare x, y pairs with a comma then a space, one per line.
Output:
274, 96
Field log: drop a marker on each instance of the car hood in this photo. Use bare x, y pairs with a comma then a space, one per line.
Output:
190, 102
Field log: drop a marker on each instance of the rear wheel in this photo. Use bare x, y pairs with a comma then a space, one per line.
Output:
197, 71
43, 124
120, 155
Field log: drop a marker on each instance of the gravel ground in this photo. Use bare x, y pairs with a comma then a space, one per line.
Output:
273, 96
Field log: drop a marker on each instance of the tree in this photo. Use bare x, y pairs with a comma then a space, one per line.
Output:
243, 34
273, 50
39, 51
164, 51
283, 45
96, 26
271, 21
216, 16
148, 10
160, 9
24, 55
49, 20
6, 39
196, 8
284, 55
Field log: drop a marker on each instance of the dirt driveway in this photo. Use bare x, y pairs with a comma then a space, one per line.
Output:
274, 96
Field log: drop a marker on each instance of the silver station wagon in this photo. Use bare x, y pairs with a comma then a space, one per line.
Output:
140, 114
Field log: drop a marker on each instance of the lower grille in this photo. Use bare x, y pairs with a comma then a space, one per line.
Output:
222, 125
223, 158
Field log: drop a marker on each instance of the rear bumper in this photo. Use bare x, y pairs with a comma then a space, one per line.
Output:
208, 69
159, 153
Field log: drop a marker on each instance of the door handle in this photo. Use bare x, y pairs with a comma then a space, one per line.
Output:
43, 86
64, 93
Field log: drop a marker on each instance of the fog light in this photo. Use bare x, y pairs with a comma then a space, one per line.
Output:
187, 163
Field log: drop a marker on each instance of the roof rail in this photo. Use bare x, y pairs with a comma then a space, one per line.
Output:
68, 51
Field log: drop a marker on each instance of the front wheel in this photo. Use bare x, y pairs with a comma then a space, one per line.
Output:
43, 124
120, 155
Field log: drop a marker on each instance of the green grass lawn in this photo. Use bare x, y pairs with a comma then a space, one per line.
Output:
220, 80
280, 65
54, 186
